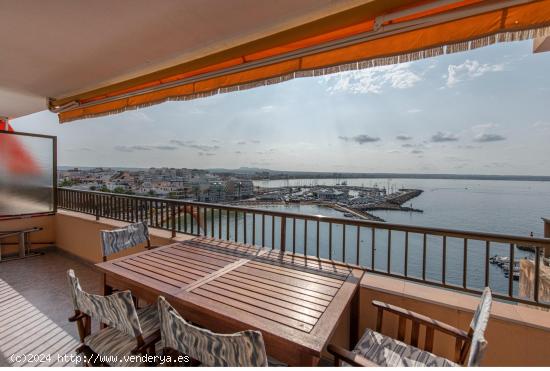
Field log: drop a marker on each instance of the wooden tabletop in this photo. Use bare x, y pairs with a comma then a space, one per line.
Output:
296, 302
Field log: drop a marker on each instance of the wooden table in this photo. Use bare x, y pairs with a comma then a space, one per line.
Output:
295, 302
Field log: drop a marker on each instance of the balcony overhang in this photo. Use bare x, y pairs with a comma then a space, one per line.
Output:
64, 47
188, 50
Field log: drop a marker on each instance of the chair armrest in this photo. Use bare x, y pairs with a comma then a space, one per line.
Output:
77, 317
353, 359
148, 343
427, 321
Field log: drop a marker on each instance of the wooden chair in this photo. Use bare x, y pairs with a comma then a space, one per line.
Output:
117, 240
204, 347
375, 349
127, 331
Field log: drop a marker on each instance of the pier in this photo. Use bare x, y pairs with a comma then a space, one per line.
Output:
352, 201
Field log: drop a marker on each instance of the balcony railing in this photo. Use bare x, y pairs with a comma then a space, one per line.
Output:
447, 258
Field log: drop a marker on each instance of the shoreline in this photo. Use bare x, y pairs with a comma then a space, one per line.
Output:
392, 202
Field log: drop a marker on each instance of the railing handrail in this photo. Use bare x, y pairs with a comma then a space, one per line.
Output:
453, 233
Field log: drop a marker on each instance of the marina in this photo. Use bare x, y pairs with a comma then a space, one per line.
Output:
352, 201
504, 263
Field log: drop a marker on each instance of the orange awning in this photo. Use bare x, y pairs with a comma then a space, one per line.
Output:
410, 31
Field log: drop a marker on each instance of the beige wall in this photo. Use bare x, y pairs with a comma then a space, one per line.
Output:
78, 234
516, 335
43, 238
74, 233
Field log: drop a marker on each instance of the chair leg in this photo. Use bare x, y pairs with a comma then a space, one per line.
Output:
81, 330
83, 325
107, 290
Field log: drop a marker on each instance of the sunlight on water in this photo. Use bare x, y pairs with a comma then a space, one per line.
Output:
506, 207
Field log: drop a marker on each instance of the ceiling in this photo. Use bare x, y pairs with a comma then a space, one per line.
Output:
63, 47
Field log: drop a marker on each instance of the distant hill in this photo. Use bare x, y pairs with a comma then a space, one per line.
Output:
243, 170
283, 174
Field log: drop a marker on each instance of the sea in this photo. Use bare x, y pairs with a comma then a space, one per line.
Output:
497, 206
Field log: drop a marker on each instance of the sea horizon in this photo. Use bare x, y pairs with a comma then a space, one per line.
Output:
291, 174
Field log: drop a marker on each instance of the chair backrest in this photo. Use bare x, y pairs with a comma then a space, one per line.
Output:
478, 326
241, 349
116, 310
120, 239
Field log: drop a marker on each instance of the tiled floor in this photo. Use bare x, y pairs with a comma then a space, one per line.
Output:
34, 307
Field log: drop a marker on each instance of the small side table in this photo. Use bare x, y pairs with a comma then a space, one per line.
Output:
24, 243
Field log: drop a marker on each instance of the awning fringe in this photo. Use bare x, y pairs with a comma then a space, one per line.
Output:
501, 37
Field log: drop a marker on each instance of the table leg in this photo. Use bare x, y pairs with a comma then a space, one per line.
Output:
28, 244
107, 290
22, 245
354, 320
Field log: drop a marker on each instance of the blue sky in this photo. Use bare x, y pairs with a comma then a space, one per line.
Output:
485, 111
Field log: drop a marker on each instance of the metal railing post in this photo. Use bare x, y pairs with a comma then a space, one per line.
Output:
173, 219
96, 207
537, 274
283, 233
135, 205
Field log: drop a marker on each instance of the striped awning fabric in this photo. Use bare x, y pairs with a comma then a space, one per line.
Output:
411, 31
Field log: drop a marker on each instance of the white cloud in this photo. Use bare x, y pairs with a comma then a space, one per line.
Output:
414, 110
542, 124
141, 116
469, 70
482, 136
486, 137
372, 80
134, 148
403, 137
442, 136
267, 109
483, 127
193, 145
361, 139
413, 145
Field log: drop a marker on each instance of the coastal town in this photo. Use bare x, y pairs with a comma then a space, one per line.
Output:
236, 188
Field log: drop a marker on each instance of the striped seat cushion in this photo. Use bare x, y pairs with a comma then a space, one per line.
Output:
116, 310
388, 352
242, 349
478, 326
114, 345
121, 239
